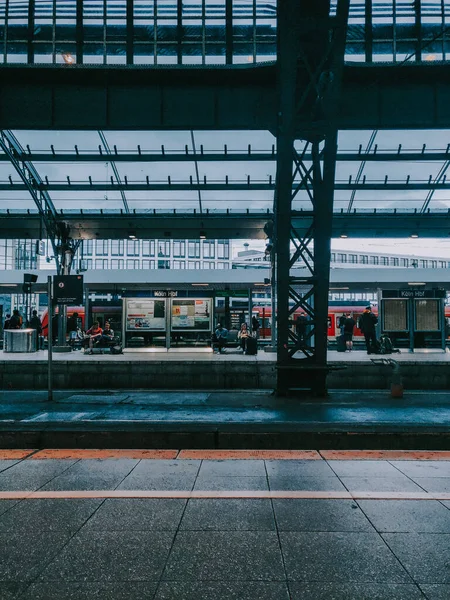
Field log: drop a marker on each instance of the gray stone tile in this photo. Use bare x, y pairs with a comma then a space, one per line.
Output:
224, 515
138, 514
48, 515
363, 468
436, 592
103, 467
221, 590
298, 468
169, 482
160, 468
6, 505
323, 484
434, 484
232, 468
423, 468
354, 591
320, 515
22, 557
76, 590
6, 464
446, 503
32, 474
225, 556
73, 481
10, 589
111, 556
401, 483
231, 483
407, 515
340, 556
424, 555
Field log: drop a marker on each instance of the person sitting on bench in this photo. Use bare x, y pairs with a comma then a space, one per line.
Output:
95, 335
107, 335
243, 335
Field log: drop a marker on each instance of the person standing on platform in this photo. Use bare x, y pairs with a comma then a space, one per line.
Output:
349, 326
7, 324
16, 320
221, 337
35, 323
255, 327
367, 322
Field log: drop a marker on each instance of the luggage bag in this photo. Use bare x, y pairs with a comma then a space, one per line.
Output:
340, 341
251, 345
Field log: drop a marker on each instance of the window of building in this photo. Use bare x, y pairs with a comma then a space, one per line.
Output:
434, 264
374, 260
133, 247
148, 247
88, 247
164, 249
194, 249
353, 258
342, 258
424, 264
442, 264
209, 249
191, 264
133, 263
404, 262
394, 261
117, 263
163, 264
87, 263
179, 248
333, 257
223, 249
117, 247
148, 264
101, 247
363, 259
179, 264
385, 260
101, 263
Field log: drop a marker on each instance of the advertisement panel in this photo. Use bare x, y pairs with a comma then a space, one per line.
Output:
145, 315
191, 314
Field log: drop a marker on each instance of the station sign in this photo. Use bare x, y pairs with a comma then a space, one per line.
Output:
68, 289
408, 293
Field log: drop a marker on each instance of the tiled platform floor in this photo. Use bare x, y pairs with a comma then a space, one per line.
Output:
318, 547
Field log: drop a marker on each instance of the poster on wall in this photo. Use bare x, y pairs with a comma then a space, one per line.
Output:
146, 315
191, 314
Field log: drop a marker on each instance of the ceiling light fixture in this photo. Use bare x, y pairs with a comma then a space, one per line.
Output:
416, 283
343, 236
203, 235
414, 235
201, 284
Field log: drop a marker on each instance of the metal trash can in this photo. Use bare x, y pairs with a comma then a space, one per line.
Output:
19, 340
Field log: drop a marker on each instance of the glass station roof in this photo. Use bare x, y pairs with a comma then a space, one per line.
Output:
222, 171
205, 32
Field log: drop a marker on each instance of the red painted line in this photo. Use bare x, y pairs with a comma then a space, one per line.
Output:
249, 454
384, 455
15, 454
227, 494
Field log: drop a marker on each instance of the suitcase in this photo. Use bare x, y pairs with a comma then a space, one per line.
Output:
251, 345
340, 342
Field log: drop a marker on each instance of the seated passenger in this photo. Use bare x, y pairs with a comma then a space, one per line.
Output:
108, 333
221, 337
243, 335
94, 335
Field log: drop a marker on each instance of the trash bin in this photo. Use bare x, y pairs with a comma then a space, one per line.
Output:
19, 340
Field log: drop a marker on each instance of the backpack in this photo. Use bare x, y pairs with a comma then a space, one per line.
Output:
117, 349
386, 345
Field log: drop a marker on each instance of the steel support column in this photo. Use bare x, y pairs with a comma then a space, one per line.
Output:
307, 41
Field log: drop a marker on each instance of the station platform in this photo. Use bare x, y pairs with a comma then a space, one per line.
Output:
202, 525
200, 370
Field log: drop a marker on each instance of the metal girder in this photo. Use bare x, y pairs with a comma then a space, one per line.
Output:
234, 225
376, 155
223, 186
57, 229
308, 42
114, 168
241, 97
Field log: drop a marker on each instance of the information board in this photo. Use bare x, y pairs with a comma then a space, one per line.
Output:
427, 315
191, 314
68, 289
395, 315
145, 315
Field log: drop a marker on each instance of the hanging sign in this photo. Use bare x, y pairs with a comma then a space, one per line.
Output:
68, 289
